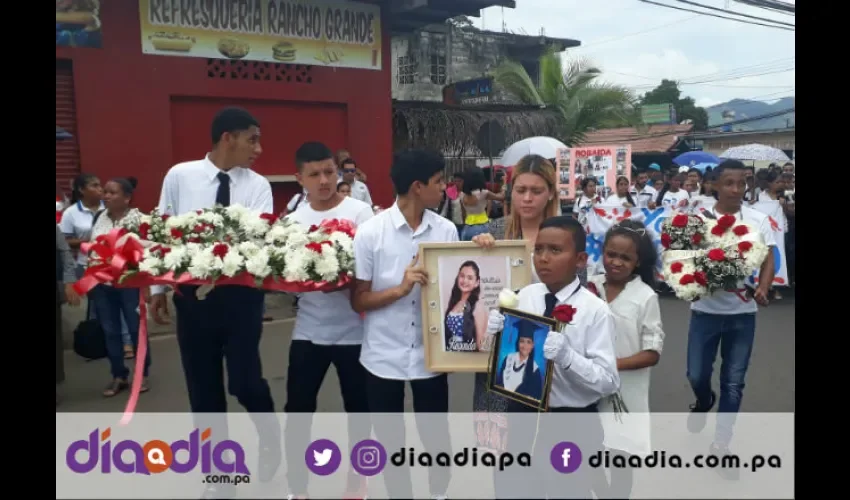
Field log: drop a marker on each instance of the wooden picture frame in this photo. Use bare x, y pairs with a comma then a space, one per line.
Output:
508, 262
531, 391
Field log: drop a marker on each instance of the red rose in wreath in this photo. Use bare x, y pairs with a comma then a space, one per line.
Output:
680, 220
564, 313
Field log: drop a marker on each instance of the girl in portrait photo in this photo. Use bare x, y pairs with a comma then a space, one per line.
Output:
519, 371
465, 323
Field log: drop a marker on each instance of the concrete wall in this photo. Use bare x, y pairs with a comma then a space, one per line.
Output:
783, 141
468, 55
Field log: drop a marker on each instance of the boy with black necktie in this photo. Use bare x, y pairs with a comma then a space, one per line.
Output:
584, 363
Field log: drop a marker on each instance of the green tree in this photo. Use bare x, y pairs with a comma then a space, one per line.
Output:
573, 91
686, 109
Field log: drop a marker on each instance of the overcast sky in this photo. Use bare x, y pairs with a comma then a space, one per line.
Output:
637, 44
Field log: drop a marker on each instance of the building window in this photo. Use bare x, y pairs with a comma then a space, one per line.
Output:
438, 69
533, 70
406, 70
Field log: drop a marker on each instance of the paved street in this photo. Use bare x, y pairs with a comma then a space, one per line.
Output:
770, 381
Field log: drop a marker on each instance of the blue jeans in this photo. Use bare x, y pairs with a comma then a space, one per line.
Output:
471, 231
125, 333
111, 304
733, 334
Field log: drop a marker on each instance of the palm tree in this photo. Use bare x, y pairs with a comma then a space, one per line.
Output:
581, 102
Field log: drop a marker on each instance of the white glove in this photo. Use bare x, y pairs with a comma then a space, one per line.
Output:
557, 349
495, 324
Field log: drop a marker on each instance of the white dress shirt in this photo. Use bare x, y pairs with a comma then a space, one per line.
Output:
193, 185
592, 361
737, 302
383, 247
327, 318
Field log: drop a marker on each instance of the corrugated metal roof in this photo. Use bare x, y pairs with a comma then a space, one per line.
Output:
649, 139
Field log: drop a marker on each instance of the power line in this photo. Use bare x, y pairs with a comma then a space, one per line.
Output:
709, 83
725, 11
718, 16
780, 7
730, 72
655, 28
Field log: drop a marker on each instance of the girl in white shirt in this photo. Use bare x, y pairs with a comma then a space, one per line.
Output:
586, 199
622, 195
705, 197
627, 286
673, 196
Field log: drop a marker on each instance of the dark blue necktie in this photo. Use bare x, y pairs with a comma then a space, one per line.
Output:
551, 301
222, 196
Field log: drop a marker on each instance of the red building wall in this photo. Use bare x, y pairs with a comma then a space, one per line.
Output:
140, 114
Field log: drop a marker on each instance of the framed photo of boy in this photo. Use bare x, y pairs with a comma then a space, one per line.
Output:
518, 369
465, 281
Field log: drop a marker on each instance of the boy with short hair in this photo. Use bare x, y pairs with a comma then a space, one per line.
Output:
585, 362
327, 330
388, 290
727, 320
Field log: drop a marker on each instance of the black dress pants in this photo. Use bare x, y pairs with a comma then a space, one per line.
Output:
308, 365
538, 440
224, 328
386, 403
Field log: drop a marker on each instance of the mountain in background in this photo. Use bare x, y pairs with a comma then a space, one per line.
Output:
740, 109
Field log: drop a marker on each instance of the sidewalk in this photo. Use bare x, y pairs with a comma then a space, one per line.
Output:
278, 306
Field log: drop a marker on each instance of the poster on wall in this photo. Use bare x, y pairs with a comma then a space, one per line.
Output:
333, 33
78, 23
602, 163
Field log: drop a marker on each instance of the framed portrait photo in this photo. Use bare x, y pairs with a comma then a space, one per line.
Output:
518, 369
464, 284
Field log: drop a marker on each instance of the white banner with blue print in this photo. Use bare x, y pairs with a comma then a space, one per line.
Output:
603, 216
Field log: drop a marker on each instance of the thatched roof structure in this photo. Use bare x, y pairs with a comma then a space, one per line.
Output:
454, 131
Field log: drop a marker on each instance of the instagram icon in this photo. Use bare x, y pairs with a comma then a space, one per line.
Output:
368, 457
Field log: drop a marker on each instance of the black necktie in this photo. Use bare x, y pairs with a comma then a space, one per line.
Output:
551, 301
222, 196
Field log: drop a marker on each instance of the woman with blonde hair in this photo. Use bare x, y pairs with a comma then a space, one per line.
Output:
534, 198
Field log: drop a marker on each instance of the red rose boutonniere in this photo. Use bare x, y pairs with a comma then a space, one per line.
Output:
564, 314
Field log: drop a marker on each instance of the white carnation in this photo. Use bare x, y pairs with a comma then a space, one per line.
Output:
202, 264
248, 249
258, 264
345, 241
150, 265
276, 235
232, 264
254, 226
296, 262
297, 240
175, 258
237, 212
213, 218
327, 264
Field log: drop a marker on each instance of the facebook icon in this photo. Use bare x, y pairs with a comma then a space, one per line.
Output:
565, 457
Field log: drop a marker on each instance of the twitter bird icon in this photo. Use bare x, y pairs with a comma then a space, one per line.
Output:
323, 457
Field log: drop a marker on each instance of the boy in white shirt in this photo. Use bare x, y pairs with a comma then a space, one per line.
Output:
388, 291
726, 320
327, 330
585, 362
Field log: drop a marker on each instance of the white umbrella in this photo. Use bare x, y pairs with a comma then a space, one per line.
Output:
547, 147
755, 152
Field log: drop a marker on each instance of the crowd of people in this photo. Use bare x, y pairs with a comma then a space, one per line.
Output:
374, 336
